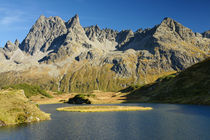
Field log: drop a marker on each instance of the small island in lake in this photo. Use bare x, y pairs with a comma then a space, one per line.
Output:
103, 108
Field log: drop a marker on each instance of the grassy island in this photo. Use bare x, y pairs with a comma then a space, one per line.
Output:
103, 108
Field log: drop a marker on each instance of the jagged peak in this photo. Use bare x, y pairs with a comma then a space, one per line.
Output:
127, 32
97, 27
94, 27
169, 24
172, 23
9, 43
139, 30
17, 43
206, 34
169, 21
9, 46
73, 21
41, 18
56, 18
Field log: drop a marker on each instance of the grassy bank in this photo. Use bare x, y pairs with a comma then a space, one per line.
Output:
191, 86
103, 108
29, 90
15, 108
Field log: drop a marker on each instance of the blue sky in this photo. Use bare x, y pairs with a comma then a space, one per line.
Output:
17, 16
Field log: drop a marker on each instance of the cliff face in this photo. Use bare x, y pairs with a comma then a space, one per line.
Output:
64, 56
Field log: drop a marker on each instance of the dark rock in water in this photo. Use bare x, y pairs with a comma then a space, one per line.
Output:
79, 99
2, 123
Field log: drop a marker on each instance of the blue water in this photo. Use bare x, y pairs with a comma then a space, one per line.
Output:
164, 122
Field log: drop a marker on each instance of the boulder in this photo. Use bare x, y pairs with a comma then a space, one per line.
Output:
79, 99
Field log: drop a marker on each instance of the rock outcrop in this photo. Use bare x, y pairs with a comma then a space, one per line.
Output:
79, 99
206, 34
2, 123
70, 58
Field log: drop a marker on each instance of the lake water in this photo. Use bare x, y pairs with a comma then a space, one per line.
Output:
164, 122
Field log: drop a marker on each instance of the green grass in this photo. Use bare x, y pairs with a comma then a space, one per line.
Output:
103, 108
191, 86
15, 108
167, 77
29, 90
86, 95
130, 88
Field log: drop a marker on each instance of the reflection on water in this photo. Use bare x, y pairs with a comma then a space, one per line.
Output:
164, 122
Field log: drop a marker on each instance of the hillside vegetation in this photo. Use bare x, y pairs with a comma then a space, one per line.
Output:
191, 86
15, 108
29, 90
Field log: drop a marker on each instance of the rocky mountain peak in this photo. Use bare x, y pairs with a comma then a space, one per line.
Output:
115, 59
124, 37
8, 43
167, 19
41, 18
139, 30
17, 43
170, 23
73, 21
172, 27
9, 47
42, 34
96, 28
206, 34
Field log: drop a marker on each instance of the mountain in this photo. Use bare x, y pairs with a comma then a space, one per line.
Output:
66, 57
191, 86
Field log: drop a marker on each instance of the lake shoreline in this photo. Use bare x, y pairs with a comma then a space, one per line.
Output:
100, 98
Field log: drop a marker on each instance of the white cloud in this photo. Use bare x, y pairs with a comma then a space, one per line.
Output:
9, 20
8, 16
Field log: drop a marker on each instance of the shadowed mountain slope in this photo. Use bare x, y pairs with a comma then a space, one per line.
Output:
191, 86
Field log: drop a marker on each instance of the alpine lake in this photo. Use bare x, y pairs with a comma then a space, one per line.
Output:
163, 122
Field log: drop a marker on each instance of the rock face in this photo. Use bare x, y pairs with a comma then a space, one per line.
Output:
42, 34
206, 34
64, 56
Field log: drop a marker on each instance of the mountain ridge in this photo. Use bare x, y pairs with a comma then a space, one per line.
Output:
75, 58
